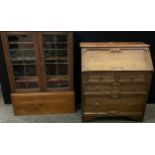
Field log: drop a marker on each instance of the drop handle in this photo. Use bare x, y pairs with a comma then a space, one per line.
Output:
115, 84
98, 88
115, 50
96, 104
115, 96
113, 112
117, 68
131, 104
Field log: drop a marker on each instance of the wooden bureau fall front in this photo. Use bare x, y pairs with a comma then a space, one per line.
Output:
115, 79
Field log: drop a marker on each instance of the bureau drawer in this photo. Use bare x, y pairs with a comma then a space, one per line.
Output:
132, 77
96, 77
115, 86
111, 77
124, 104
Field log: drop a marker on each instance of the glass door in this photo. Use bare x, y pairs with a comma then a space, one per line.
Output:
23, 57
55, 53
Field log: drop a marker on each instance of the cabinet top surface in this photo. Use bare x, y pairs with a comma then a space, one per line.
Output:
113, 44
116, 59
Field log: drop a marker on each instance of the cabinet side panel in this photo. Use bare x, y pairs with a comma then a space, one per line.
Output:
5, 85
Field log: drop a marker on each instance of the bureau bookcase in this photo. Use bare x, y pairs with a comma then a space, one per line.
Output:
116, 79
40, 69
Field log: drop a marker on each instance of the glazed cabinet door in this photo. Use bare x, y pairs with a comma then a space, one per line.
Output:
56, 48
22, 60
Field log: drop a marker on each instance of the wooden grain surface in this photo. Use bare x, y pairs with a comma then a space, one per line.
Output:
113, 44
115, 79
43, 103
121, 59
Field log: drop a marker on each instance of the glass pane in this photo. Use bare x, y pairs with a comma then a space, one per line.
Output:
49, 55
23, 83
62, 53
23, 69
30, 70
57, 82
20, 46
55, 46
29, 55
18, 70
17, 38
54, 38
62, 69
22, 52
55, 53
16, 55
51, 69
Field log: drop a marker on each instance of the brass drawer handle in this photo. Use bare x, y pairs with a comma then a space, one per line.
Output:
96, 104
115, 84
113, 112
131, 104
117, 68
115, 50
115, 96
98, 88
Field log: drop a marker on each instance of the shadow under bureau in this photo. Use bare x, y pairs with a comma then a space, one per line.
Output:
116, 77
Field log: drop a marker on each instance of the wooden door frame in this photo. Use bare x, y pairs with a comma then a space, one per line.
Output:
9, 61
69, 55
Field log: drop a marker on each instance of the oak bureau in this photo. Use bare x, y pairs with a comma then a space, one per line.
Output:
116, 77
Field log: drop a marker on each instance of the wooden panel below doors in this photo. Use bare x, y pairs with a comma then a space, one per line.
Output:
43, 103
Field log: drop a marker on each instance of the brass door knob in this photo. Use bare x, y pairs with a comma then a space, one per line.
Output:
115, 84
96, 104
131, 104
113, 112
98, 88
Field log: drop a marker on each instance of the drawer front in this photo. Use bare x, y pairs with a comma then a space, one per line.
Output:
99, 77
127, 87
129, 77
114, 106
112, 77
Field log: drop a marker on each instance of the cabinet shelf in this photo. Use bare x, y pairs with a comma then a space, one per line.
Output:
48, 42
55, 79
55, 63
22, 49
24, 59
21, 64
51, 49
56, 58
11, 42
26, 79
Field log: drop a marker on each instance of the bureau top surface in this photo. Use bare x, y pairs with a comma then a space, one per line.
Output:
113, 44
117, 59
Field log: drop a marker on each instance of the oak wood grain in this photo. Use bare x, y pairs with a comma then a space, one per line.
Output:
116, 79
43, 103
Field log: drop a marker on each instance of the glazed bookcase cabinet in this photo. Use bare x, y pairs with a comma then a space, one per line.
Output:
40, 69
116, 78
